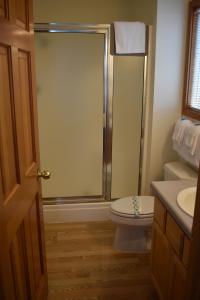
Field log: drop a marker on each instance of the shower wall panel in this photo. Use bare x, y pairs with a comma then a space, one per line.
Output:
127, 115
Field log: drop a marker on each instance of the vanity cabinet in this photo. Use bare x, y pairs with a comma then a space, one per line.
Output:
177, 279
160, 261
170, 252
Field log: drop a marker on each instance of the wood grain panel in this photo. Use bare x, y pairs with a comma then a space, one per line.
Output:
35, 250
19, 266
3, 8
27, 110
8, 138
177, 282
160, 213
35, 233
1, 292
174, 235
186, 252
160, 261
21, 13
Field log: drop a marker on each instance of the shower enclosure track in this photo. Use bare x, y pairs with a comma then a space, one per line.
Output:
104, 29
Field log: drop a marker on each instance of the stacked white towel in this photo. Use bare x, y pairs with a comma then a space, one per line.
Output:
183, 152
191, 138
179, 130
130, 37
186, 141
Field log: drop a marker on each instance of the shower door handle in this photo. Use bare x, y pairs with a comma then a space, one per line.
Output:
44, 174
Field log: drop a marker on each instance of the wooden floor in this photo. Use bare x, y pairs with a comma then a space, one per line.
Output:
83, 266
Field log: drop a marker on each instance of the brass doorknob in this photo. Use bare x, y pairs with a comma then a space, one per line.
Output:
43, 174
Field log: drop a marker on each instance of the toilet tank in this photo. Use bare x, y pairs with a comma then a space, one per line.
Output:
178, 170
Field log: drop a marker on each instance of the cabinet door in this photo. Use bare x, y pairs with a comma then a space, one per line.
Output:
160, 262
177, 279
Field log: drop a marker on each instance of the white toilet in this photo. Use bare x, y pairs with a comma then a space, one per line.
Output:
133, 233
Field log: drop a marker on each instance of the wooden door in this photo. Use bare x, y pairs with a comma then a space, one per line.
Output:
177, 279
22, 255
160, 262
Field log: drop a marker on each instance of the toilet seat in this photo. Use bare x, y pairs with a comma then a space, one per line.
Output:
133, 230
124, 207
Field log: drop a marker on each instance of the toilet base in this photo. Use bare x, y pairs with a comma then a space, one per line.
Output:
132, 239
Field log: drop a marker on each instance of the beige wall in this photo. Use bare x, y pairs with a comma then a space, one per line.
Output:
145, 11
169, 68
94, 11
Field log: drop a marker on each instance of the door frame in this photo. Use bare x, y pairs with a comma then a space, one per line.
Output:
193, 272
104, 29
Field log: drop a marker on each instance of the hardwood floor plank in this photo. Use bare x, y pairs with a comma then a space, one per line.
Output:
82, 265
94, 267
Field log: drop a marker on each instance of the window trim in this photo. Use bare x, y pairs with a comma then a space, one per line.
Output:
186, 110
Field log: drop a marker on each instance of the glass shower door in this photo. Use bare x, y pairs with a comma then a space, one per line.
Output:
69, 69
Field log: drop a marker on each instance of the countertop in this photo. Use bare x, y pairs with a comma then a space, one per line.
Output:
167, 192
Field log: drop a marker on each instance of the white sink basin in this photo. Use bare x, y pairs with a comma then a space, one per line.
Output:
186, 200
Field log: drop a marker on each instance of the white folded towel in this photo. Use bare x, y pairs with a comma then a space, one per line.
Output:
179, 130
183, 152
191, 138
130, 37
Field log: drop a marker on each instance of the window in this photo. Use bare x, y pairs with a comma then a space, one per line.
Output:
191, 103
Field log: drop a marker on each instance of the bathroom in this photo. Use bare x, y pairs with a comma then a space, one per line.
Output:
108, 219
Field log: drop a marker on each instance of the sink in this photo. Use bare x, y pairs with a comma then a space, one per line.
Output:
186, 200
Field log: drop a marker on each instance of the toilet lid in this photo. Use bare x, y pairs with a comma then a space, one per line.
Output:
124, 206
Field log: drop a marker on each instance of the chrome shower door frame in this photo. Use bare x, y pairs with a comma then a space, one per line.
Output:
104, 29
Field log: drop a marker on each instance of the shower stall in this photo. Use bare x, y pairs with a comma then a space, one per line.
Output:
90, 111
